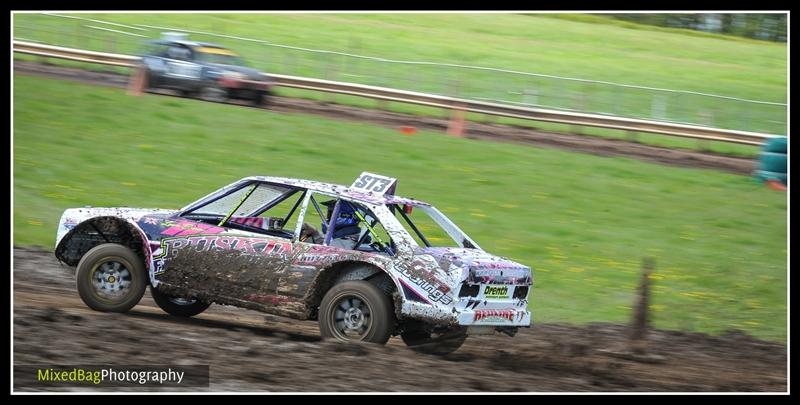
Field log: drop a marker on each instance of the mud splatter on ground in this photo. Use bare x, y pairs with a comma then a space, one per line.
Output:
251, 351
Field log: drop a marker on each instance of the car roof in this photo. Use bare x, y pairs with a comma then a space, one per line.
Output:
339, 190
192, 44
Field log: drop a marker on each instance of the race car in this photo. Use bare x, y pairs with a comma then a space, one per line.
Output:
363, 262
209, 71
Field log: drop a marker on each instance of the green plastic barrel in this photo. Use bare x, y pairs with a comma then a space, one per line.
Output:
772, 161
777, 144
763, 175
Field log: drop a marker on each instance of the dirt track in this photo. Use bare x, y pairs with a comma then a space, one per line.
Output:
495, 132
248, 351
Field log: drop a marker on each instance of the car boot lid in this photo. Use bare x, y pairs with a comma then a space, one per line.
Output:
482, 267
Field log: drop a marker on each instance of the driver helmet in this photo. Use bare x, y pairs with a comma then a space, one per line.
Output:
346, 216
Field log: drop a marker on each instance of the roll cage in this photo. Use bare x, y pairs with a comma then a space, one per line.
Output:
368, 215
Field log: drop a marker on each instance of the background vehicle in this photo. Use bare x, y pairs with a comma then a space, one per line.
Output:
370, 272
202, 69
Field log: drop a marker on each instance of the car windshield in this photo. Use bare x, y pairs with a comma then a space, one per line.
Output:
243, 201
218, 55
429, 227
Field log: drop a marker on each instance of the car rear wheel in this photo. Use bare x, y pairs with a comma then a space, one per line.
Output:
178, 306
262, 99
357, 311
111, 278
423, 339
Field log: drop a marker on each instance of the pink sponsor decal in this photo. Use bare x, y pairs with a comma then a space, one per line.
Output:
185, 228
255, 222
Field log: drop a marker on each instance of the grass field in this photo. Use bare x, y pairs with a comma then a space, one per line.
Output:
589, 47
583, 222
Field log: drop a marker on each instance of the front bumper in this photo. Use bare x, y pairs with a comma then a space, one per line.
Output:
243, 84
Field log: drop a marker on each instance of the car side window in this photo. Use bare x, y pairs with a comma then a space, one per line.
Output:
178, 52
159, 50
355, 228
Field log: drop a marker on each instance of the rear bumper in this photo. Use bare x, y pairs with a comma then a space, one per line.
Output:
494, 305
495, 314
514, 317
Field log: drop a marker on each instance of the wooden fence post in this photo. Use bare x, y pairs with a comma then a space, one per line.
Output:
138, 81
456, 126
640, 319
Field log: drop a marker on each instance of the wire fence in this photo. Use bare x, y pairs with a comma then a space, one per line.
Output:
470, 82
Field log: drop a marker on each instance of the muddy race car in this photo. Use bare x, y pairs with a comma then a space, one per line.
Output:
365, 263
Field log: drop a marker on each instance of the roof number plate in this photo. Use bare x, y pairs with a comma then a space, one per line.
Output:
374, 183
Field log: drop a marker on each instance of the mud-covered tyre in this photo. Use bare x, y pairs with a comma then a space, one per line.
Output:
178, 306
262, 99
111, 278
213, 94
423, 341
356, 311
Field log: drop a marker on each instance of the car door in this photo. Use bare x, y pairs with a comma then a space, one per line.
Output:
223, 251
313, 253
180, 70
154, 58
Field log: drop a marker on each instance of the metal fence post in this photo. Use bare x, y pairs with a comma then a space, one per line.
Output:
707, 119
659, 108
748, 119
530, 96
455, 85
81, 37
292, 66
330, 73
580, 100
382, 104
411, 79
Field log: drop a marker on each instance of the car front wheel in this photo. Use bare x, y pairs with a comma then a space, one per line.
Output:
357, 311
111, 278
213, 94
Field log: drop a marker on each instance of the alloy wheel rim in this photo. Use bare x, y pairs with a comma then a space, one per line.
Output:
352, 318
111, 280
